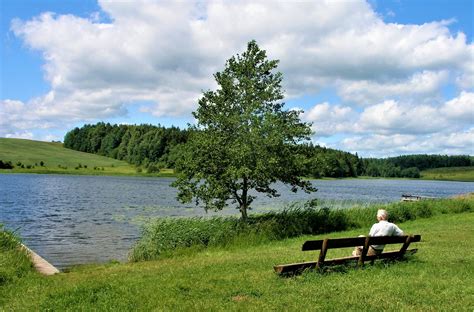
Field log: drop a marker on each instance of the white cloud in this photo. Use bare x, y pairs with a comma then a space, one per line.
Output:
460, 109
419, 85
393, 117
165, 53
328, 120
393, 127
151, 48
393, 145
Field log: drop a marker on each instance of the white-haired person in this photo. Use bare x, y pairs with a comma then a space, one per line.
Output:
381, 228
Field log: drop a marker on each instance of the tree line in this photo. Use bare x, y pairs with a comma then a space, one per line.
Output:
410, 165
142, 145
154, 147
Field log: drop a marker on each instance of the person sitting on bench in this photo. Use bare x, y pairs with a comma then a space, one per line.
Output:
382, 228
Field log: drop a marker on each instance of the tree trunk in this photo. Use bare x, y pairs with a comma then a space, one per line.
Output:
243, 211
244, 202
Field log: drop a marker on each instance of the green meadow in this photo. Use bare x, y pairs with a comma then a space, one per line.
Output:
240, 277
465, 174
59, 160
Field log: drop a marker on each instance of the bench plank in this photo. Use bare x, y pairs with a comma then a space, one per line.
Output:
334, 243
357, 241
365, 242
299, 267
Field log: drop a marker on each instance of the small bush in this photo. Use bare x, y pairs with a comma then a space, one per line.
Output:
6, 165
152, 168
424, 210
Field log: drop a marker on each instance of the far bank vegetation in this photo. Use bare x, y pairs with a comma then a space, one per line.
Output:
156, 147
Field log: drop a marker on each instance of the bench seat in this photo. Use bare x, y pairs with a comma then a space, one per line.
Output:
324, 245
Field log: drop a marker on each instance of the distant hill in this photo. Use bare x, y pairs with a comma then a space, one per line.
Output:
28, 155
465, 174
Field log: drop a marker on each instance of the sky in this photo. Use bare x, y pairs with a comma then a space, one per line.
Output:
377, 78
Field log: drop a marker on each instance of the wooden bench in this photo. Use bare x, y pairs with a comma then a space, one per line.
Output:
366, 242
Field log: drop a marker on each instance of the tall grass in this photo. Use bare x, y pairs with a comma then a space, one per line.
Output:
163, 237
14, 261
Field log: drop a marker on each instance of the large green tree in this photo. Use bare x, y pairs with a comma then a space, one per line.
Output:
244, 140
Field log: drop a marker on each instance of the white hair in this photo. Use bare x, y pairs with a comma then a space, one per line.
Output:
382, 214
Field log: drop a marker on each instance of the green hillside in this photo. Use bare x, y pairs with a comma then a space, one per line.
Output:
449, 174
58, 159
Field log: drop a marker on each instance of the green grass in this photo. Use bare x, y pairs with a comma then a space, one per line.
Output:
465, 174
163, 237
60, 160
440, 277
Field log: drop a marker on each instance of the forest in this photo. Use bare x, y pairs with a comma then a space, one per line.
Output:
155, 147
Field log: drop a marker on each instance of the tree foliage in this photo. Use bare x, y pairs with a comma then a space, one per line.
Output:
244, 140
409, 166
146, 145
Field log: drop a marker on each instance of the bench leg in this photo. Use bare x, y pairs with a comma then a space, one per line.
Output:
360, 263
322, 254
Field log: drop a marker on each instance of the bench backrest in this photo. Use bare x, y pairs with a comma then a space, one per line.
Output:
357, 241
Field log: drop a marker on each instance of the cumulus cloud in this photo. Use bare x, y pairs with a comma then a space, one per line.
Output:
394, 117
394, 127
391, 116
165, 53
329, 119
377, 145
421, 85
18, 119
460, 109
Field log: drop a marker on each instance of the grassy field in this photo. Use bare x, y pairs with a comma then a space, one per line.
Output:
60, 160
440, 277
465, 174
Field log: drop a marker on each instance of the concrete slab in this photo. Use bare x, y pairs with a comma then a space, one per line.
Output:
40, 264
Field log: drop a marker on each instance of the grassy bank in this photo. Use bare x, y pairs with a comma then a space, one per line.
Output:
163, 237
240, 278
464, 174
14, 263
29, 156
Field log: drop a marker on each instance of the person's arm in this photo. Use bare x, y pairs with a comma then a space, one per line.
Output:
397, 231
372, 230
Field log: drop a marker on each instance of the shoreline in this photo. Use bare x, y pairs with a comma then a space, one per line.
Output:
93, 174
173, 175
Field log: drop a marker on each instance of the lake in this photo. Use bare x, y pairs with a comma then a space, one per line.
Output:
82, 219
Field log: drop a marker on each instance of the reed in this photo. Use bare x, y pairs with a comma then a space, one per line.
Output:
165, 237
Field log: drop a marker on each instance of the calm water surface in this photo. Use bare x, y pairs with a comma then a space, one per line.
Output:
81, 219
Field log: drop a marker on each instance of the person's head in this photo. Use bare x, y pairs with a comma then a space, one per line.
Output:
382, 214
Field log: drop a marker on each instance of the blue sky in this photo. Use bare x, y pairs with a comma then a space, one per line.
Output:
380, 78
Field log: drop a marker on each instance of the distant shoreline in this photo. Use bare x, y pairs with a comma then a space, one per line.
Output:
169, 174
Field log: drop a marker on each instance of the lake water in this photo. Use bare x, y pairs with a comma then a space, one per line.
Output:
81, 219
